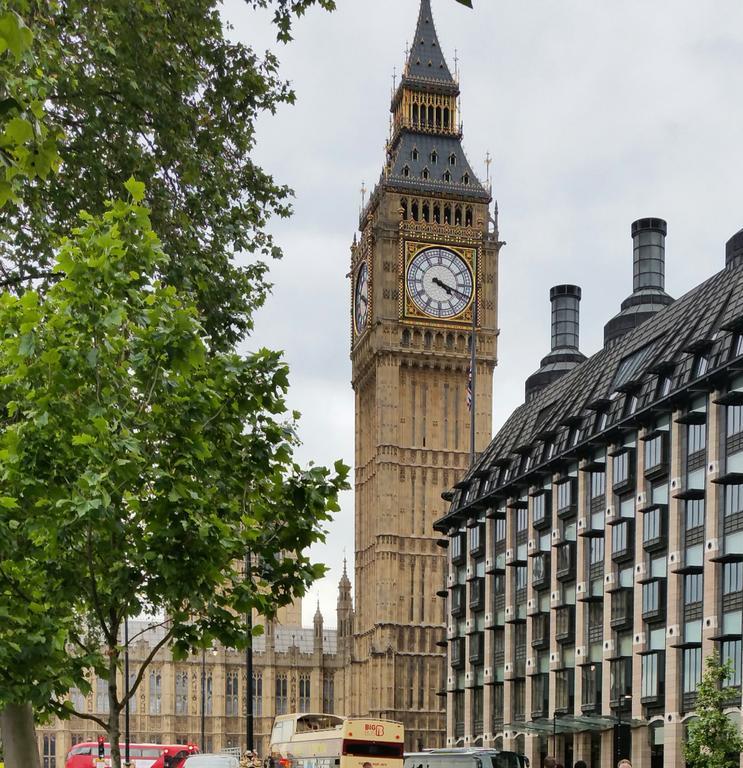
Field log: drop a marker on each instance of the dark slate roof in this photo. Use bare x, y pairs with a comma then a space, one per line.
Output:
426, 59
707, 320
423, 146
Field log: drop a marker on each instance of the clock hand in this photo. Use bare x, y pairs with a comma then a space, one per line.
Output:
364, 299
449, 289
443, 285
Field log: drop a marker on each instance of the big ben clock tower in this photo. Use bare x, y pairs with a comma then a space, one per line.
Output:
425, 261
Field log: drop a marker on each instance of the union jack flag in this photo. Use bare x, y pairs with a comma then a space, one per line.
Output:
469, 389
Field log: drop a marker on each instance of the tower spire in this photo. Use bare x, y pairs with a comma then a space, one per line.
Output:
426, 59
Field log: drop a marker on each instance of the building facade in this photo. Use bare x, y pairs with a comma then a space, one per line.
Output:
595, 551
426, 261
295, 669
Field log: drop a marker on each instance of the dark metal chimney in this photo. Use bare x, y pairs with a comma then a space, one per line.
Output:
565, 354
649, 280
649, 246
565, 316
734, 250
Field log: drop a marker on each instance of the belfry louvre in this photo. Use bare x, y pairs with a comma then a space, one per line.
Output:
595, 548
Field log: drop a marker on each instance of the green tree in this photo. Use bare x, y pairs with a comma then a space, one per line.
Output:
155, 90
138, 466
28, 145
714, 740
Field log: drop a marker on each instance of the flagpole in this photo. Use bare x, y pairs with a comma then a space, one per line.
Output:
473, 364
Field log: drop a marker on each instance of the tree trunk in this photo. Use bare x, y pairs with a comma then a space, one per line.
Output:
19, 736
114, 708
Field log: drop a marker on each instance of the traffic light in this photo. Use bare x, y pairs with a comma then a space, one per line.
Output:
101, 747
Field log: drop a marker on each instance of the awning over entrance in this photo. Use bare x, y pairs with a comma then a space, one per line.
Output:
571, 724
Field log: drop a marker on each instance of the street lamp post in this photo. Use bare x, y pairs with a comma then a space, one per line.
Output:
127, 733
203, 699
622, 699
249, 664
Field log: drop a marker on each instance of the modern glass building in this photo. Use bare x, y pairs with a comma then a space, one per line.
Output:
595, 549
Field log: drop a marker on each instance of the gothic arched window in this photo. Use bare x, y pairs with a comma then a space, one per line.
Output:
468, 216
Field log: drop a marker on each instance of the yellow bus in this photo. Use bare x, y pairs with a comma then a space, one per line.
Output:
329, 741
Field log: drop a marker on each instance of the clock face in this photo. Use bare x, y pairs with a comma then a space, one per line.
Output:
361, 298
439, 282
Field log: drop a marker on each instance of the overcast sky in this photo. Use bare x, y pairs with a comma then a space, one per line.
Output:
596, 113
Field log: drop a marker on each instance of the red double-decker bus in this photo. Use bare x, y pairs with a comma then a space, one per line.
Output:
85, 755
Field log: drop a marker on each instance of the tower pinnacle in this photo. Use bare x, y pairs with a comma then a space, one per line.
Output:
426, 59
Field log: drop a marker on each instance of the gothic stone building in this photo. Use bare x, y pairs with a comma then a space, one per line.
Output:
595, 550
426, 260
295, 669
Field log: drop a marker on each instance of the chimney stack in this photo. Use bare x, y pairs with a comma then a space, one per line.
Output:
565, 354
649, 279
565, 316
734, 251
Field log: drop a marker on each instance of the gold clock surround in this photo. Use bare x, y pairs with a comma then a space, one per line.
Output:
409, 312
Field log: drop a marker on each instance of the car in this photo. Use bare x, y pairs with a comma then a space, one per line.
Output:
464, 757
211, 761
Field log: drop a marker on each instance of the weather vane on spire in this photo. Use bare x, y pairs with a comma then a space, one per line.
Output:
488, 163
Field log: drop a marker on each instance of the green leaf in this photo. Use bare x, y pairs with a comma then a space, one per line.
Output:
8, 502
83, 439
135, 189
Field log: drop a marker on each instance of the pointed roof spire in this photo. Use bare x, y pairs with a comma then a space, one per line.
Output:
318, 612
345, 581
426, 59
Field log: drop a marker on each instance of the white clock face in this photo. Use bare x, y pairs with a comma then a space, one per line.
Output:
439, 282
361, 298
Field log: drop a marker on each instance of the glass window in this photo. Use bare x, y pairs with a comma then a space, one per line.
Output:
697, 438
282, 697
694, 514
101, 695
522, 520
181, 693
231, 693
652, 525
539, 512
692, 669
693, 588
733, 499
522, 578
565, 495
257, 693
622, 467
735, 420
328, 694
664, 385
701, 365
209, 695
598, 484
49, 751
654, 452
304, 693
155, 693
651, 674
500, 530
732, 578
732, 650
596, 554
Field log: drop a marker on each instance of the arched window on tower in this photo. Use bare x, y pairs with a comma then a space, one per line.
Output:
414, 210
468, 216
431, 117
437, 213
415, 114
466, 179
447, 214
414, 154
458, 215
452, 159
406, 170
438, 117
447, 176
405, 338
446, 117
426, 212
404, 207
427, 340
423, 115
434, 156
424, 173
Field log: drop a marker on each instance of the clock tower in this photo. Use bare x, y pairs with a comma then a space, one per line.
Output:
425, 261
